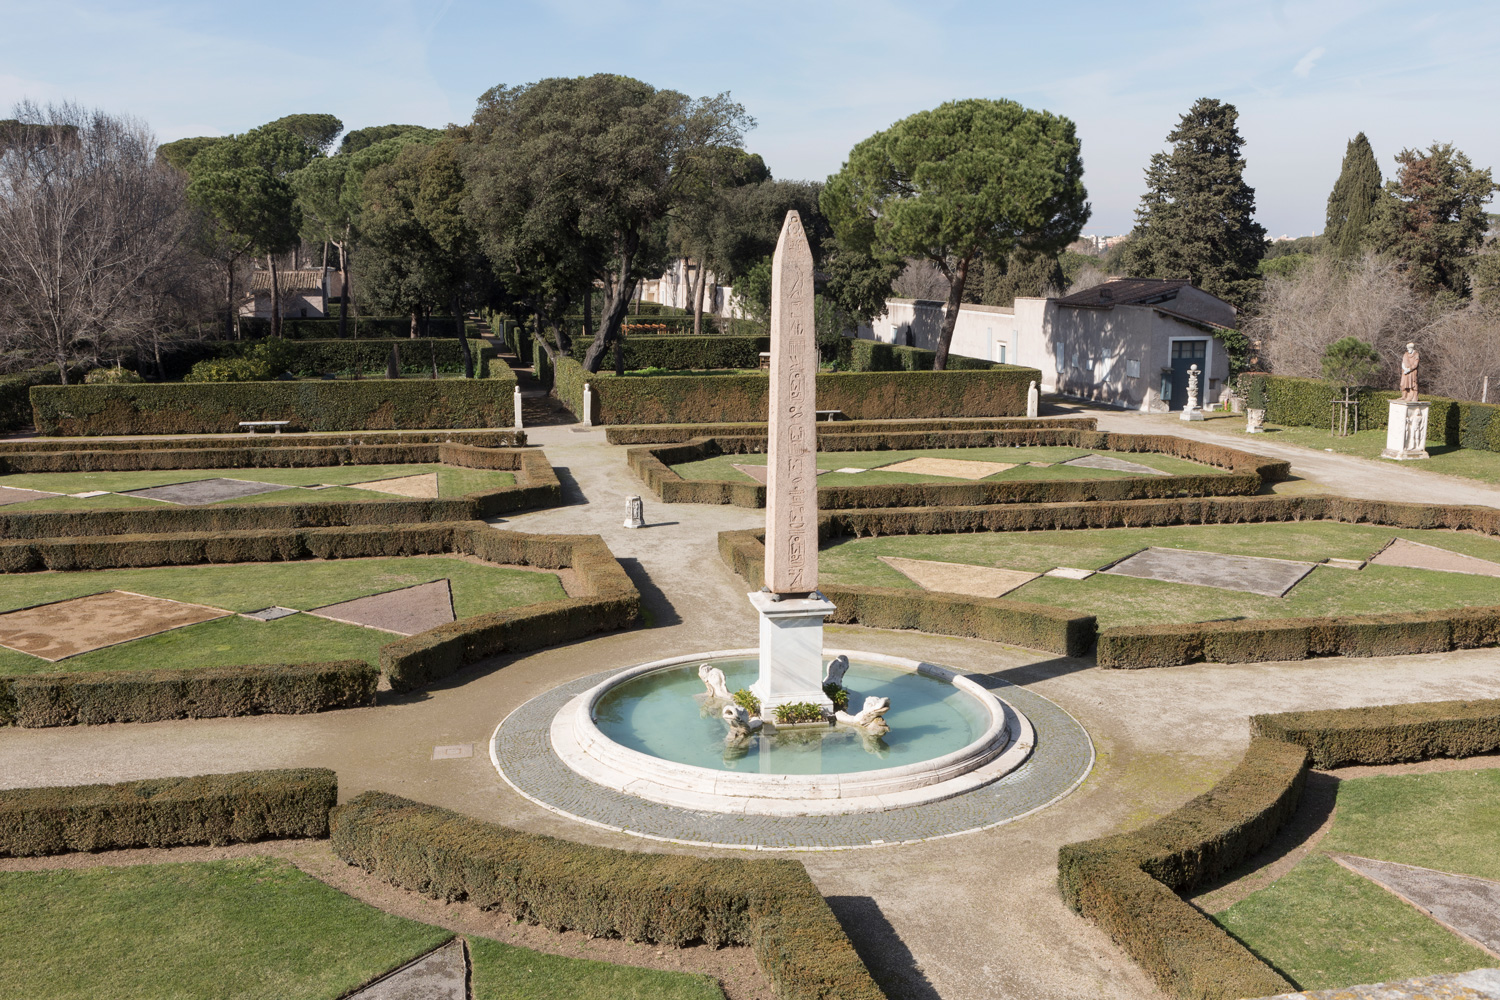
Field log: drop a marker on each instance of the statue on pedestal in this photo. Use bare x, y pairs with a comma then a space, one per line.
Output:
1409, 362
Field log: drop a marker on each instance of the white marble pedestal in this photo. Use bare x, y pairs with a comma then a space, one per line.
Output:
1406, 433
1191, 413
791, 652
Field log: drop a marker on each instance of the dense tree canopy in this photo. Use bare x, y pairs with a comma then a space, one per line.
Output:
577, 177
969, 179
1196, 219
1351, 205
1432, 218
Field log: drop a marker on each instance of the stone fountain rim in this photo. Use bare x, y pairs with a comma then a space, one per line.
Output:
1005, 744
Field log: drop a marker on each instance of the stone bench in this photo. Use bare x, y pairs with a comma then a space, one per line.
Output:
253, 424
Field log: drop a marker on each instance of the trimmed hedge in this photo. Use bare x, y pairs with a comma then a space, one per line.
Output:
314, 357
536, 486
15, 393
1034, 626
772, 906
652, 399
1128, 883
93, 698
609, 601
684, 352
680, 433
1247, 473
1305, 402
606, 600
211, 407
1387, 734
212, 809
366, 326
1260, 640
262, 441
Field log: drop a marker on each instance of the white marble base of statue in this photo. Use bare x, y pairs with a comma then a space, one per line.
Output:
713, 679
870, 718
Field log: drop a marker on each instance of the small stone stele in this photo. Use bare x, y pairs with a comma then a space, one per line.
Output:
1033, 401
635, 513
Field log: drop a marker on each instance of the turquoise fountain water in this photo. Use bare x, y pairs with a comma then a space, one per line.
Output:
667, 714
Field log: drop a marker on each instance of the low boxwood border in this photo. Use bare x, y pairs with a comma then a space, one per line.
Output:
769, 905
212, 809
536, 486
1246, 473
634, 434
605, 600
1128, 883
1127, 647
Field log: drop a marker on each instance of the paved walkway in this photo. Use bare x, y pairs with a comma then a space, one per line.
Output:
964, 918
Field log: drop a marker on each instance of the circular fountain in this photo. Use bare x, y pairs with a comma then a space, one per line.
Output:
652, 731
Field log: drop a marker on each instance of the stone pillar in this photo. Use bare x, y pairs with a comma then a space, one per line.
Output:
517, 399
791, 611
1406, 434
1192, 411
588, 405
635, 513
1033, 400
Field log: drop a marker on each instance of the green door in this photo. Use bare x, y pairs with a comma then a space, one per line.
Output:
1185, 354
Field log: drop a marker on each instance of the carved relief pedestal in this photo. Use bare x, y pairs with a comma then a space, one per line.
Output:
1406, 434
791, 651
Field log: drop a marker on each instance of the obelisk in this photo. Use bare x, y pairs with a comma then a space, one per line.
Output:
791, 610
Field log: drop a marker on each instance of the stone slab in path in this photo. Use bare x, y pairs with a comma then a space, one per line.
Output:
959, 578
1481, 984
441, 974
269, 614
1253, 574
1462, 903
10, 494
405, 612
1114, 465
953, 468
1415, 555
1069, 573
62, 629
201, 491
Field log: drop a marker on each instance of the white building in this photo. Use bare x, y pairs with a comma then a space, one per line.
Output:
675, 288
1128, 342
304, 294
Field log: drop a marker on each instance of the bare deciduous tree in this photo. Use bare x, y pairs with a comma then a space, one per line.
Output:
1464, 345
921, 279
1325, 301
88, 226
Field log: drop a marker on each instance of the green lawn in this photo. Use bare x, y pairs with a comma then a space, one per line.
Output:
1121, 600
255, 928
1447, 459
477, 589
1324, 927
723, 466
249, 928
505, 972
452, 482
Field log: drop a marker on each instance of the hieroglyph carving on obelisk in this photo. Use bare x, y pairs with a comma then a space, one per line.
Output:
792, 484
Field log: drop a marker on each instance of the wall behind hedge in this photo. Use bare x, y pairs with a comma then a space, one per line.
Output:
656, 399
874, 356
207, 407
307, 358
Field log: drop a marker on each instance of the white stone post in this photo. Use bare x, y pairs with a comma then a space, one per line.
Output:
1033, 400
790, 609
1406, 434
516, 397
588, 405
635, 513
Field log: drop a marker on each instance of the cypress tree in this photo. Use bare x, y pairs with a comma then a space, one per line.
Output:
1196, 219
1352, 203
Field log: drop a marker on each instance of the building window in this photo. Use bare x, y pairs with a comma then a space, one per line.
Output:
1000, 353
1133, 368
1193, 350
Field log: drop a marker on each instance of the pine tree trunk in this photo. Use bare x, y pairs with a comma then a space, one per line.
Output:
231, 328
393, 364
617, 295
275, 296
343, 288
413, 333
463, 339
950, 314
588, 311
698, 301
693, 280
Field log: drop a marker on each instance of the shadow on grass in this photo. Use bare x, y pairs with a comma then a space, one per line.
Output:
878, 945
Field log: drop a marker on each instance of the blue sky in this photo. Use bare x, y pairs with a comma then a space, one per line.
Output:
818, 77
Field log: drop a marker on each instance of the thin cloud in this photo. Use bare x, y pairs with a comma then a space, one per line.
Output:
1305, 65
